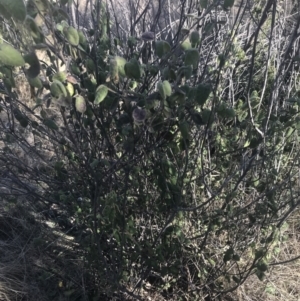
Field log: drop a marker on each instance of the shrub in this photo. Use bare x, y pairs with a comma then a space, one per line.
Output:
173, 162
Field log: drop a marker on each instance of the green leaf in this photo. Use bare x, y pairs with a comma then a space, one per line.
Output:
132, 85
228, 255
260, 275
202, 93
34, 30
58, 89
70, 292
15, 8
21, 118
132, 69
113, 70
188, 71
191, 57
162, 48
262, 266
120, 61
35, 82
153, 69
131, 42
228, 4
259, 253
178, 97
184, 31
184, 129
236, 257
82, 40
194, 37
10, 56
101, 93
60, 76
222, 60
203, 3
75, 69
196, 117
50, 124
184, 144
207, 117
64, 2
37, 6
90, 65
186, 44
185, 71
225, 112
164, 89
34, 70
70, 89
80, 104
9, 83
71, 35
94, 163
4, 12
90, 84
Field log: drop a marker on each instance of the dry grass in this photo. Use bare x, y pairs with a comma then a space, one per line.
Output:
283, 280
16, 254
37, 262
